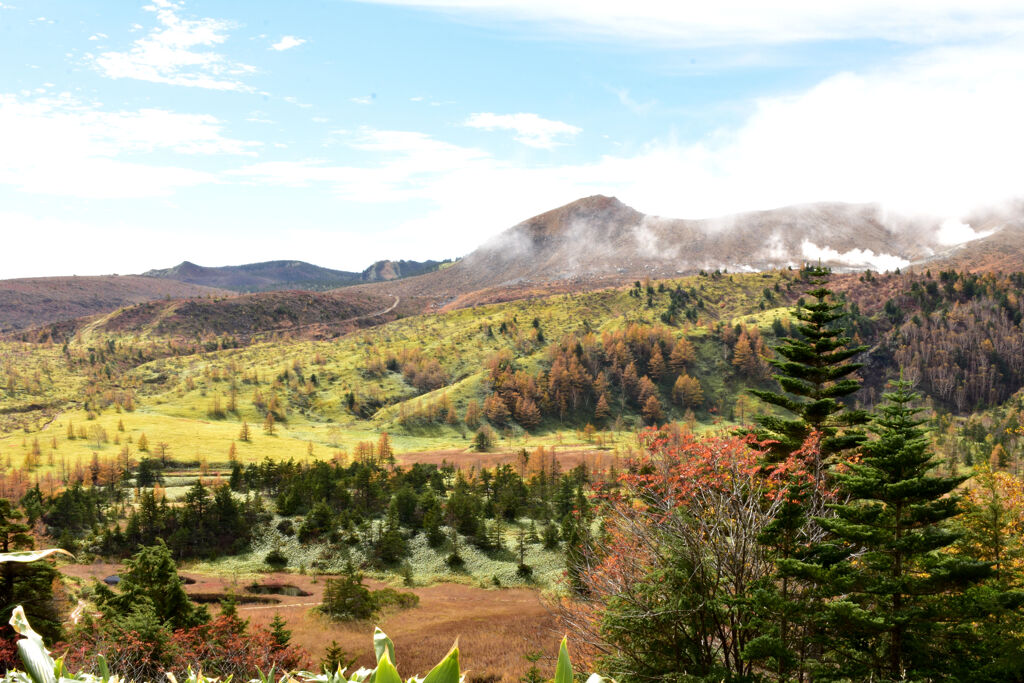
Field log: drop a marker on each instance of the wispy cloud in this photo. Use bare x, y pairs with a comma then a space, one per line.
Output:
409, 164
746, 22
287, 43
63, 146
937, 134
629, 103
363, 99
530, 129
178, 52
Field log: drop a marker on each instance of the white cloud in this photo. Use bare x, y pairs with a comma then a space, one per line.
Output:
953, 231
937, 134
177, 53
364, 99
746, 22
530, 129
854, 257
409, 168
287, 42
62, 146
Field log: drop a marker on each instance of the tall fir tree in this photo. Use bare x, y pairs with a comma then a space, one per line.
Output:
814, 373
895, 600
813, 370
151, 578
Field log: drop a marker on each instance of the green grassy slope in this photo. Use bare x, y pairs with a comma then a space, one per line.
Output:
330, 395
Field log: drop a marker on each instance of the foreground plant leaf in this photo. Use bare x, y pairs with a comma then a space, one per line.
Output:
37, 660
382, 644
386, 671
447, 670
563, 670
32, 555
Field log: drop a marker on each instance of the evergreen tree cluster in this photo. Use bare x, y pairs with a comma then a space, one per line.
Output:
870, 577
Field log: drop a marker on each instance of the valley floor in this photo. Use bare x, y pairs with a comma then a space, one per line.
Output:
495, 628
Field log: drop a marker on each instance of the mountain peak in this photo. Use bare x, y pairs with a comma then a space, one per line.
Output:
603, 216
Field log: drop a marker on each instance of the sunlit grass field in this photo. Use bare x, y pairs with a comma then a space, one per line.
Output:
183, 404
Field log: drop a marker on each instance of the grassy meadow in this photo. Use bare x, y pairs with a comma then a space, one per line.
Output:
332, 395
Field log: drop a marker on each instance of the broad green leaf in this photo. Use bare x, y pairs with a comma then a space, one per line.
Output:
32, 555
563, 670
386, 671
37, 660
447, 671
382, 644
104, 669
19, 622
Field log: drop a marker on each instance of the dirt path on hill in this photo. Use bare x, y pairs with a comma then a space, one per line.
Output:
297, 328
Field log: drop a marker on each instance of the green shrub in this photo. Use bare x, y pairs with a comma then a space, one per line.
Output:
347, 599
389, 597
276, 559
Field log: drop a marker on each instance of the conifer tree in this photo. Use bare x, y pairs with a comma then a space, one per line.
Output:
743, 356
898, 594
151, 577
656, 366
280, 632
682, 354
335, 659
813, 372
652, 410
687, 391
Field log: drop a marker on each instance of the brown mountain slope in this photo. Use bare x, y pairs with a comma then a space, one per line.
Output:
311, 315
599, 241
27, 302
1001, 251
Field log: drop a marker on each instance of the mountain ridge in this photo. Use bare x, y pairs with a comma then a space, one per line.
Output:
26, 302
288, 274
599, 241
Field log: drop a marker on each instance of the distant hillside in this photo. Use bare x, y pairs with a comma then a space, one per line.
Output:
1001, 251
299, 314
598, 241
280, 275
27, 302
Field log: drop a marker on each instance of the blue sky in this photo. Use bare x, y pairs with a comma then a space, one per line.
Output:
135, 135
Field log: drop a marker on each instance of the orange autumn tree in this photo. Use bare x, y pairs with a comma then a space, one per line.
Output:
993, 522
670, 576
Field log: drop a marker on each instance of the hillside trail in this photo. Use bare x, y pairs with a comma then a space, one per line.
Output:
364, 316
387, 310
